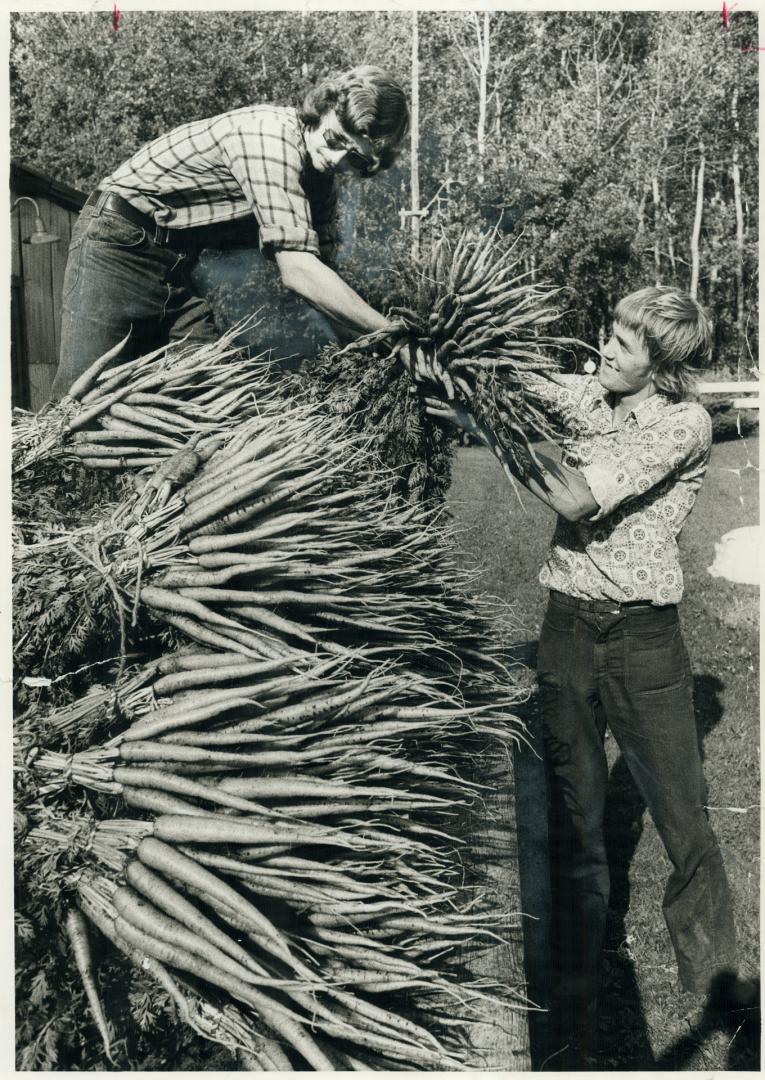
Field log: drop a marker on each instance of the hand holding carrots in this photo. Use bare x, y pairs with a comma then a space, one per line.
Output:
425, 367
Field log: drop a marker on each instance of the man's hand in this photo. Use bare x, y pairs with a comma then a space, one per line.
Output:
306, 275
455, 414
425, 367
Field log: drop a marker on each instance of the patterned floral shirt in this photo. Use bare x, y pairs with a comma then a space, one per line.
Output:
228, 167
644, 474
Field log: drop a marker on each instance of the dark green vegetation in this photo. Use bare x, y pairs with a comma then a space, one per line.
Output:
619, 148
647, 1023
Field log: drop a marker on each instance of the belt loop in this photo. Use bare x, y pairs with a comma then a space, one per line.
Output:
102, 197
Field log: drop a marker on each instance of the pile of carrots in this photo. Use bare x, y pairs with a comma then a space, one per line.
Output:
295, 760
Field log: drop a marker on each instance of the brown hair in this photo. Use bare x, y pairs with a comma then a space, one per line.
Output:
368, 102
675, 330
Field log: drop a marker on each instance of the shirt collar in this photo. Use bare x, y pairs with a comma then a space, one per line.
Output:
646, 412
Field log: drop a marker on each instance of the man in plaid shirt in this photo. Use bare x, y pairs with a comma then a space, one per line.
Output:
207, 182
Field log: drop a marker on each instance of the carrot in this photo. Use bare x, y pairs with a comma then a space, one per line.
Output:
148, 751
273, 597
123, 371
314, 709
284, 493
159, 802
281, 1020
83, 383
281, 524
210, 739
196, 830
293, 787
160, 856
166, 719
264, 617
179, 579
180, 785
144, 916
118, 462
118, 451
208, 637
115, 428
191, 660
238, 487
265, 885
164, 896
167, 600
77, 931
119, 434
101, 406
206, 675
142, 418
145, 963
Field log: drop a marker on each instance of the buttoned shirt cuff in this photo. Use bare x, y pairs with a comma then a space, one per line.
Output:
606, 490
288, 238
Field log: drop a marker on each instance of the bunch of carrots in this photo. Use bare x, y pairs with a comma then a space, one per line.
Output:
471, 308
294, 753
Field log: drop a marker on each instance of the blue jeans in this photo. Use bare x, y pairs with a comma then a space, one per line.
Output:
118, 280
627, 669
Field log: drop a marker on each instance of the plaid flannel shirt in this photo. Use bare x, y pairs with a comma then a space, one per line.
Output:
644, 475
248, 161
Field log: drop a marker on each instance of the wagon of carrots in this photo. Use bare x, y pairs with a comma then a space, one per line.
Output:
255, 697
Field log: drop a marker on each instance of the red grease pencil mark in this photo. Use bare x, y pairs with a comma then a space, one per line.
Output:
727, 12
116, 18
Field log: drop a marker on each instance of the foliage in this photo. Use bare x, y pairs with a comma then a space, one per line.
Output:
584, 138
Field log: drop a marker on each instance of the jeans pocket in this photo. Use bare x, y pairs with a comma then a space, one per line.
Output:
556, 646
117, 231
656, 660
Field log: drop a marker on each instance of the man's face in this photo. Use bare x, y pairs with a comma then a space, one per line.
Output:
625, 366
332, 149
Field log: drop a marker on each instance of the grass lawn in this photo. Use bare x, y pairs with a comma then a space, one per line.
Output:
646, 1022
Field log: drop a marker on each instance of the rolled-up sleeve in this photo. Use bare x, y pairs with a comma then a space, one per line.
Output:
676, 443
262, 155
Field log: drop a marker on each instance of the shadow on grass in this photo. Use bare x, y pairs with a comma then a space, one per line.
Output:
624, 1025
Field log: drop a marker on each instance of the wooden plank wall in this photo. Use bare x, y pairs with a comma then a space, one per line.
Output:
38, 276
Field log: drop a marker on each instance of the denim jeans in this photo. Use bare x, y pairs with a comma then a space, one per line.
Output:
118, 280
626, 668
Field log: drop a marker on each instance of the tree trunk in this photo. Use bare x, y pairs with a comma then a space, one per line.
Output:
656, 229
484, 55
415, 137
696, 233
667, 219
736, 177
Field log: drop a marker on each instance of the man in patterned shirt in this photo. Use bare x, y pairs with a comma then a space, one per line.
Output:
202, 184
611, 651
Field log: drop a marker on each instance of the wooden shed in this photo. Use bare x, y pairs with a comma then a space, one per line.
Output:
37, 277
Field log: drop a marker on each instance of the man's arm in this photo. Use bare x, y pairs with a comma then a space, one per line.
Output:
561, 488
309, 277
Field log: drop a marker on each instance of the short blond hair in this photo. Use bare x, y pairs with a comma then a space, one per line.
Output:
675, 330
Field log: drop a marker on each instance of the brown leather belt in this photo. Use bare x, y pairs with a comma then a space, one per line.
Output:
238, 232
613, 607
110, 200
